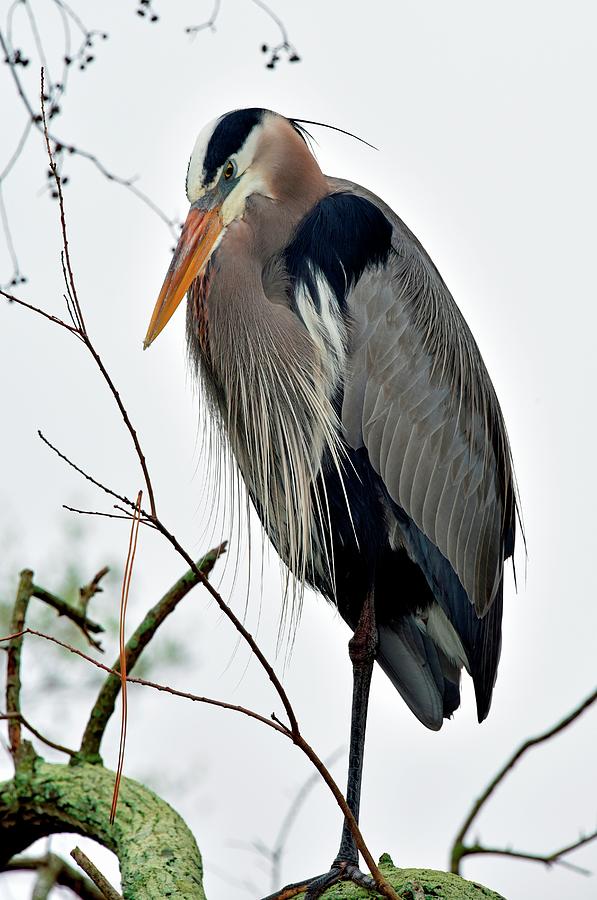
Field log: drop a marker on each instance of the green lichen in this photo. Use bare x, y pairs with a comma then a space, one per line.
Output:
157, 853
414, 884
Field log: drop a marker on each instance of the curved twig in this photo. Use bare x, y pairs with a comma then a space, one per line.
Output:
459, 849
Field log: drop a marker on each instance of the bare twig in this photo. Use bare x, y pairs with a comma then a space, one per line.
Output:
126, 516
104, 705
144, 682
12, 299
459, 849
54, 95
66, 875
96, 876
209, 23
72, 292
88, 591
85, 475
13, 665
548, 859
21, 718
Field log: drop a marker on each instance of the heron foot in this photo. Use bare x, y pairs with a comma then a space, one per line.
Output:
316, 887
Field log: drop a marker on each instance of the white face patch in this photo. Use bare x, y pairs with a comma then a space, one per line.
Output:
249, 183
195, 186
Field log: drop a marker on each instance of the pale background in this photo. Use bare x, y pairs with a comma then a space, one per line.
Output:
484, 114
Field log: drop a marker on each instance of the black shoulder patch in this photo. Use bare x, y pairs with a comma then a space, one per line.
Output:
341, 236
229, 135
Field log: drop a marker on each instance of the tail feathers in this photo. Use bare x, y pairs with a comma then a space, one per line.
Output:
428, 683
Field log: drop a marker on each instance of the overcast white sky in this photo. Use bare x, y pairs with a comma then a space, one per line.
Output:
484, 114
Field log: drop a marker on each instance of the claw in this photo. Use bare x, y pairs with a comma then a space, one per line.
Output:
317, 886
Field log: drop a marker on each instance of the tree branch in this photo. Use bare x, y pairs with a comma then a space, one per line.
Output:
13, 665
106, 699
459, 849
65, 875
94, 873
548, 859
164, 688
21, 718
157, 853
66, 609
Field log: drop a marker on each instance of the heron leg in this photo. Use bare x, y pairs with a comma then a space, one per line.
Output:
362, 649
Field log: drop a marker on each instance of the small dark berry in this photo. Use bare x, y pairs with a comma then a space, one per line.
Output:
264, 48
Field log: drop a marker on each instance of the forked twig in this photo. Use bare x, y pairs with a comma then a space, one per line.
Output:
460, 849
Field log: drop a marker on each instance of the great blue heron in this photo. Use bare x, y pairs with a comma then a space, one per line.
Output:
359, 411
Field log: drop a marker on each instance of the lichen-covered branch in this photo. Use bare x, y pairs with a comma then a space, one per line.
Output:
106, 700
410, 884
157, 853
13, 665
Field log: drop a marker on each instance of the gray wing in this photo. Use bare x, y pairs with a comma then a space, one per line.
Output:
419, 398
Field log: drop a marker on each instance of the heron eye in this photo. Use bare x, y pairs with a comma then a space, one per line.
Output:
229, 170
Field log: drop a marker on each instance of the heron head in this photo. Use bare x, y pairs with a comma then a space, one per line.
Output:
242, 154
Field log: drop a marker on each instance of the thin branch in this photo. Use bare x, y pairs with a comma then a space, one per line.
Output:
548, 859
458, 846
278, 21
21, 718
103, 707
90, 478
12, 299
209, 23
66, 875
72, 290
94, 512
144, 682
88, 591
13, 665
96, 876
66, 609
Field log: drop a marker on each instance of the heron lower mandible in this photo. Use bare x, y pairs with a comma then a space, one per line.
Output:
358, 409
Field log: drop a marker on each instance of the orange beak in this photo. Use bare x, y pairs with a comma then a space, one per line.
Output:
197, 241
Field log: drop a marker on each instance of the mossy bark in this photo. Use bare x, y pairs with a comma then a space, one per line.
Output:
158, 854
416, 884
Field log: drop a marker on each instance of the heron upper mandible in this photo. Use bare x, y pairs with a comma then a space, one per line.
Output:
358, 409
